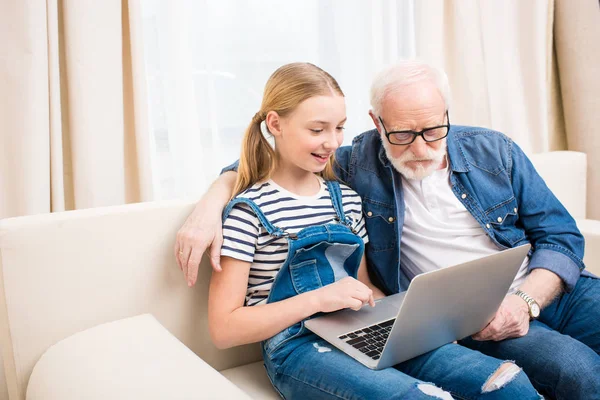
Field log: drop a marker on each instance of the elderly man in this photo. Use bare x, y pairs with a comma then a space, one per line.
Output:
436, 195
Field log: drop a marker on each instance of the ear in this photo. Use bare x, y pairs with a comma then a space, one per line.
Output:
375, 121
273, 121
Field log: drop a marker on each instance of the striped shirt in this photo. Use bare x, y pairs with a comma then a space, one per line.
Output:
245, 239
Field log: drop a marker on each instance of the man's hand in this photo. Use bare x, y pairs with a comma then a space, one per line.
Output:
201, 230
511, 320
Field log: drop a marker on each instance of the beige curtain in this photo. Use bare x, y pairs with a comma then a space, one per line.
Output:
73, 118
506, 75
496, 54
577, 43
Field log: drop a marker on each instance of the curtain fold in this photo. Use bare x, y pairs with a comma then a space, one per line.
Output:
528, 69
73, 115
498, 59
576, 32
73, 110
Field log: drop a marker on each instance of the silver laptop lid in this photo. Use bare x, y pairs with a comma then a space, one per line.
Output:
450, 304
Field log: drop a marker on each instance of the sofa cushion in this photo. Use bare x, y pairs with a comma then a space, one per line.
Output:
133, 358
252, 379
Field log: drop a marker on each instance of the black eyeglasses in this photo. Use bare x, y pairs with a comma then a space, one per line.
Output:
403, 138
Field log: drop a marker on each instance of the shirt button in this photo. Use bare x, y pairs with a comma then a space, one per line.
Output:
487, 226
515, 209
463, 196
391, 219
499, 219
370, 214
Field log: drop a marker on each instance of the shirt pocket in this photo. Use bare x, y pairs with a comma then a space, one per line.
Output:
504, 222
380, 220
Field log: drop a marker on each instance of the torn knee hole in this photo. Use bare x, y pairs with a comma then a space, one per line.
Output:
503, 375
434, 391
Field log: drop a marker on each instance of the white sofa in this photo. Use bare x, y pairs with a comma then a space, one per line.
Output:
92, 303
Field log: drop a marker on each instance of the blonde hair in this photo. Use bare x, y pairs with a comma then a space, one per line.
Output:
286, 88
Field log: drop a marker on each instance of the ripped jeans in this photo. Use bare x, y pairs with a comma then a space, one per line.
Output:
310, 368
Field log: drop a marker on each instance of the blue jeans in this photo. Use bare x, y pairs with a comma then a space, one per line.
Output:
560, 354
316, 370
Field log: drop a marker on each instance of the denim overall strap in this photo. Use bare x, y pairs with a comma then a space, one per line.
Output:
336, 199
271, 229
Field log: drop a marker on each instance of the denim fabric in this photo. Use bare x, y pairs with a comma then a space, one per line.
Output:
560, 352
501, 189
316, 370
302, 366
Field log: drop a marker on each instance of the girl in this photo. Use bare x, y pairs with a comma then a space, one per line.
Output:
288, 220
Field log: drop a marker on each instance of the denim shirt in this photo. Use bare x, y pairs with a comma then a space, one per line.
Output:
491, 176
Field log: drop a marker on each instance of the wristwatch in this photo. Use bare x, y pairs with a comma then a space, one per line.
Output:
534, 307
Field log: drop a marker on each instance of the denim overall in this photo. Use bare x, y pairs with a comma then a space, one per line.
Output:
302, 365
317, 256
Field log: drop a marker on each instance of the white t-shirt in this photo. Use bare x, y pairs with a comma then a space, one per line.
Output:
439, 231
244, 237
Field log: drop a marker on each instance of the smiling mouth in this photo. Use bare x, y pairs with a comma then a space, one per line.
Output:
321, 157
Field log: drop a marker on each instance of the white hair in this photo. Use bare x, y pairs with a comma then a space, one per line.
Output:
393, 78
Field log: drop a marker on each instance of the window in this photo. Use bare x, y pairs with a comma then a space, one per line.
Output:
207, 63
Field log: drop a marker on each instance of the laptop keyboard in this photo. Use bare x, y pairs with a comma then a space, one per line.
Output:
370, 340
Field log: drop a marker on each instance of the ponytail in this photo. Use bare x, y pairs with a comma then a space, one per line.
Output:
257, 160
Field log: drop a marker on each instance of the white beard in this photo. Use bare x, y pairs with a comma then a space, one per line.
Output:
420, 172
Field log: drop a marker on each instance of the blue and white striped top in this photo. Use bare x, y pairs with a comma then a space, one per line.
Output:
244, 238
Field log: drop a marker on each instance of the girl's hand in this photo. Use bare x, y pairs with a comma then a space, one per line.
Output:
345, 293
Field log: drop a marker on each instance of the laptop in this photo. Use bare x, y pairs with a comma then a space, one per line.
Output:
439, 307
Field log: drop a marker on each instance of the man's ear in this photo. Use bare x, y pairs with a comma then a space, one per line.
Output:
375, 120
273, 122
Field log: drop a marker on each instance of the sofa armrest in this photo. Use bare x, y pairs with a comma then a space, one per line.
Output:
132, 358
590, 229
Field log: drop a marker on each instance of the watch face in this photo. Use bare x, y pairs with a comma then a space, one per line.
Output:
535, 310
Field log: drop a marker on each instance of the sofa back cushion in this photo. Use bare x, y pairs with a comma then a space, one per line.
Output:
565, 173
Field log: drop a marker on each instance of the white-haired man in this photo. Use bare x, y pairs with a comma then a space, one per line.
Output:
436, 195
